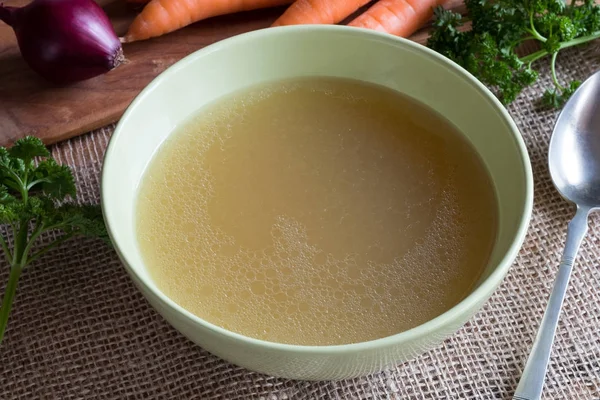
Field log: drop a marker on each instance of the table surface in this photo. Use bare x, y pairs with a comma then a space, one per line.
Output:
80, 329
31, 106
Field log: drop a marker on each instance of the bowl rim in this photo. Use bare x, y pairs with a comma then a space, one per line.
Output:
481, 293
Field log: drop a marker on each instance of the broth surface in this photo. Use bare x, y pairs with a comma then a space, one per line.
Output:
316, 211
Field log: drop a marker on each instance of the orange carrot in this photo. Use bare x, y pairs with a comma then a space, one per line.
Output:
398, 17
163, 16
318, 11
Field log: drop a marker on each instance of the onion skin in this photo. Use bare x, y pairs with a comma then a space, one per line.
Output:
65, 41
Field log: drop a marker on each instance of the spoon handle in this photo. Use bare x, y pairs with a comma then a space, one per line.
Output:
532, 381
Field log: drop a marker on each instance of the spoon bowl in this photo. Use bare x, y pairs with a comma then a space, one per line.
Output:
574, 154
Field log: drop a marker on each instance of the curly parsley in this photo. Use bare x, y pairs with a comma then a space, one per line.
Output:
488, 49
32, 201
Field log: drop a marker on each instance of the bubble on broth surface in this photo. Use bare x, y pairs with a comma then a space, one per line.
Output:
356, 235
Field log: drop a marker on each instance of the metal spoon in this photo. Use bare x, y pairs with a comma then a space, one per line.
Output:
574, 161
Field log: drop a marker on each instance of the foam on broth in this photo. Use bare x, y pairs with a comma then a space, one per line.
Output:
316, 211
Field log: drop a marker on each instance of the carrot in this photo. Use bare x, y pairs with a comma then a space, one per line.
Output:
398, 17
318, 11
163, 16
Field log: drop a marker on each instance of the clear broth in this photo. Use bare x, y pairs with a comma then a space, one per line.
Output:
316, 211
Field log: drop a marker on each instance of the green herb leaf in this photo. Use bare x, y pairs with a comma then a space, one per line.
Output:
55, 180
28, 148
489, 49
10, 208
84, 220
31, 203
555, 98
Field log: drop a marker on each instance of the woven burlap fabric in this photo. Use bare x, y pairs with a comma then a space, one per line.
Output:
80, 330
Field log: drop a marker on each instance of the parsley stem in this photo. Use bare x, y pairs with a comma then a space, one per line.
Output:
20, 185
13, 185
20, 241
57, 225
523, 39
25, 175
50, 247
34, 235
536, 35
7, 252
534, 31
553, 69
530, 58
9, 294
32, 184
580, 40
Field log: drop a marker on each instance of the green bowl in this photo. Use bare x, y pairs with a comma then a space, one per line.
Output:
317, 50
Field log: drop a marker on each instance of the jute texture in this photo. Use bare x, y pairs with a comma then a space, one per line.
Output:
80, 330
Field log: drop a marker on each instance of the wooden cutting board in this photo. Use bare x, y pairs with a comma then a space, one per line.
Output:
31, 106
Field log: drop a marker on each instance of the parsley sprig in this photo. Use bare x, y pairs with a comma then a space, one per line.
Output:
32, 201
489, 49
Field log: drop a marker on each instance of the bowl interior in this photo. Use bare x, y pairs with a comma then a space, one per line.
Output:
279, 53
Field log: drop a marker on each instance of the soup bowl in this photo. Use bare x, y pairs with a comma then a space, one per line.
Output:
337, 51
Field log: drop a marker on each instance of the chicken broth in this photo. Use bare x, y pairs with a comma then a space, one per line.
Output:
316, 211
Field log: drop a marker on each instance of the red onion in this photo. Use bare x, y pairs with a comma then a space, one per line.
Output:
65, 40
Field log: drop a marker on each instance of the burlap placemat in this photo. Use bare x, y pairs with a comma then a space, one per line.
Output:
80, 330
